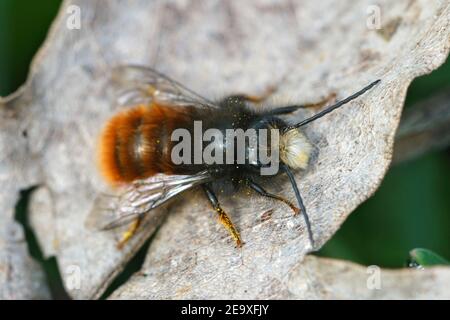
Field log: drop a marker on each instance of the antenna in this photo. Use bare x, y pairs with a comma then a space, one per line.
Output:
333, 107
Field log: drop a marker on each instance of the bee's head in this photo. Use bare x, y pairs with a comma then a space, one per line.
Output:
295, 149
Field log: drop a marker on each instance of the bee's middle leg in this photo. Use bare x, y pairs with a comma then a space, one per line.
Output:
253, 98
223, 217
293, 108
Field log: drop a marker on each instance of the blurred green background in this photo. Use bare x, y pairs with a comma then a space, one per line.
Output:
411, 209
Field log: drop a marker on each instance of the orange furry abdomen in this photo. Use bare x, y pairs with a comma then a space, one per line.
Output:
135, 143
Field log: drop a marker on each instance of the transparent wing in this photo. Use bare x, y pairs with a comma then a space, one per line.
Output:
142, 85
139, 199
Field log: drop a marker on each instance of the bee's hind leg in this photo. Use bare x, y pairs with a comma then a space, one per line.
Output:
260, 190
223, 217
127, 235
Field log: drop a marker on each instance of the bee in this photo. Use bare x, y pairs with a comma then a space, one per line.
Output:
136, 149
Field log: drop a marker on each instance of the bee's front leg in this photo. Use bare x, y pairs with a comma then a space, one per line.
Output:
260, 190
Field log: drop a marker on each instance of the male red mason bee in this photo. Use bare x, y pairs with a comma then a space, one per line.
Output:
140, 149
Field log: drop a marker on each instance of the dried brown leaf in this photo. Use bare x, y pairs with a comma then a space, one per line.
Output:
308, 49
